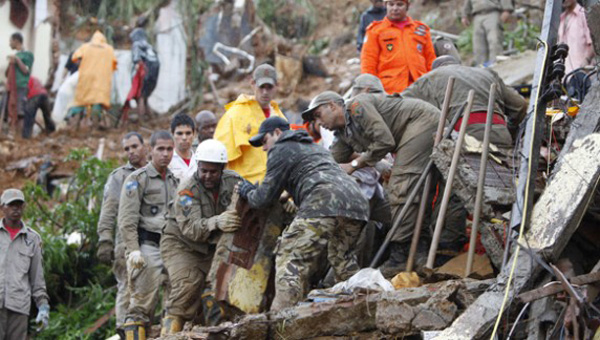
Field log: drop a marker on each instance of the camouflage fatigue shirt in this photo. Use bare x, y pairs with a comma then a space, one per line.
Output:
144, 201
110, 205
431, 86
194, 210
378, 123
307, 171
474, 7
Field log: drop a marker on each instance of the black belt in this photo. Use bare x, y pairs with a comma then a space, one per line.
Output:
487, 11
148, 236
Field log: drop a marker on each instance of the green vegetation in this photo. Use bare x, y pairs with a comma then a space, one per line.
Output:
276, 14
81, 290
522, 37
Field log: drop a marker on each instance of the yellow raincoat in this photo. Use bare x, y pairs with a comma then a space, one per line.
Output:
240, 122
98, 62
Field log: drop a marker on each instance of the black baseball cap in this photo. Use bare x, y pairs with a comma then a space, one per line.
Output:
269, 125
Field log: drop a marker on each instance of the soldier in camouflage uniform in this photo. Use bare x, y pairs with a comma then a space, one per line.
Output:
197, 218
110, 246
144, 200
488, 35
331, 208
374, 125
509, 107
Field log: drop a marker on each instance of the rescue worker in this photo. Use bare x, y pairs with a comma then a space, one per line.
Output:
110, 242
375, 125
242, 120
22, 274
37, 98
145, 70
97, 62
509, 108
366, 83
398, 50
331, 208
197, 218
17, 75
144, 200
375, 12
183, 164
206, 123
487, 17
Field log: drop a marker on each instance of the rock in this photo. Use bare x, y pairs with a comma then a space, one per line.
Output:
314, 65
342, 317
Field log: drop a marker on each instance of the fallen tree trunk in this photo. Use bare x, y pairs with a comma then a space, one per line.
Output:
555, 218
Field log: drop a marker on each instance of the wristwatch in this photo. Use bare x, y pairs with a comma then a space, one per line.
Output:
354, 164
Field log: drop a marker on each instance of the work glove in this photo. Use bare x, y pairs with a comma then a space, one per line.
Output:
43, 317
136, 260
245, 188
290, 207
105, 252
229, 221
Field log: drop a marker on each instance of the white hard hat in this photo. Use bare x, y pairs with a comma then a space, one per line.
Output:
212, 151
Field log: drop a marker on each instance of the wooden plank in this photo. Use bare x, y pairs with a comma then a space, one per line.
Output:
100, 322
555, 287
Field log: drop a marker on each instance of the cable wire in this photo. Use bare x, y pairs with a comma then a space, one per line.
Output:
525, 208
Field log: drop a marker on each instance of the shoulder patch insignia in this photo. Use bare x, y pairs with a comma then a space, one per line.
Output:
356, 109
186, 192
131, 188
390, 47
185, 202
420, 48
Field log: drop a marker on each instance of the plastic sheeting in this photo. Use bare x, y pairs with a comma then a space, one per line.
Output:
171, 49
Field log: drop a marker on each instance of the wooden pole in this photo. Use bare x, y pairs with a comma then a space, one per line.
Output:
448, 189
481, 181
425, 196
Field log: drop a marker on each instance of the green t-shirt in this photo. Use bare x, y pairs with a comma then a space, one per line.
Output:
21, 78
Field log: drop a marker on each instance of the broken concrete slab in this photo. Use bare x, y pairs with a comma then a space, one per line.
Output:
555, 218
355, 315
498, 185
341, 317
518, 69
587, 120
400, 318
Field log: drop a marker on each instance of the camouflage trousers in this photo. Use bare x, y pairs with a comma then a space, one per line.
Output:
187, 275
120, 271
302, 243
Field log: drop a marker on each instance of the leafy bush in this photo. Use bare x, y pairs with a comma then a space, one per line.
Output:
289, 18
81, 290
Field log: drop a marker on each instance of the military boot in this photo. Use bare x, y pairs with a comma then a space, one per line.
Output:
135, 330
171, 324
212, 311
397, 260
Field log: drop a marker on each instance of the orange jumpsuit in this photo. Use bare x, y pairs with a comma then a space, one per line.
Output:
398, 56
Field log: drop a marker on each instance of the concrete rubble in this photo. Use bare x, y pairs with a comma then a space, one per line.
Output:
405, 311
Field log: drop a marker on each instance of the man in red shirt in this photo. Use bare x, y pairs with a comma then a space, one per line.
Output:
37, 98
397, 50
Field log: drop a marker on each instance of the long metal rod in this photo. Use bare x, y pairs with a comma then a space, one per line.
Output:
448, 189
481, 180
399, 215
425, 196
